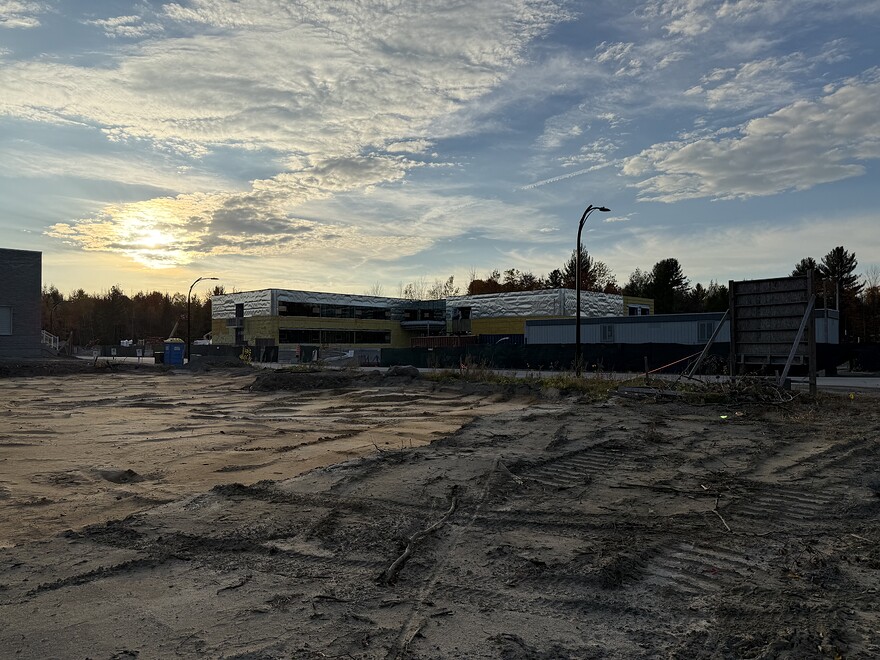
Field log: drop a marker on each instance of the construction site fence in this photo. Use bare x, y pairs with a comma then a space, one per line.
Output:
594, 357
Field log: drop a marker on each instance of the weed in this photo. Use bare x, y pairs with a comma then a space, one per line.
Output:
598, 387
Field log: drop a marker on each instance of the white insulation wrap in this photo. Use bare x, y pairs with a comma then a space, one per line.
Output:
266, 302
548, 302
256, 303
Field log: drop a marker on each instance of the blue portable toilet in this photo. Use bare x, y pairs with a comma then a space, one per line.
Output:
174, 352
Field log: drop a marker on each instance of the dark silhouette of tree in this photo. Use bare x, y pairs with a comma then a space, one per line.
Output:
695, 299
717, 298
804, 266
491, 284
870, 306
639, 284
595, 274
555, 280
668, 286
838, 269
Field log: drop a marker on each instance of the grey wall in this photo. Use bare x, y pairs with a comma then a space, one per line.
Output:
659, 329
21, 273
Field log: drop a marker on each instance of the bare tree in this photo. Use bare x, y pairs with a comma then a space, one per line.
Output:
417, 290
441, 290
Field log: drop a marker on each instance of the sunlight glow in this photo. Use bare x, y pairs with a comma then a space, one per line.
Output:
152, 235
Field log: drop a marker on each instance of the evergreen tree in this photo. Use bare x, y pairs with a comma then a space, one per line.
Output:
639, 284
668, 286
804, 266
595, 274
838, 268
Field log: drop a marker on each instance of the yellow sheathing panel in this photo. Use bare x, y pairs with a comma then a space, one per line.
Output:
514, 325
220, 334
261, 327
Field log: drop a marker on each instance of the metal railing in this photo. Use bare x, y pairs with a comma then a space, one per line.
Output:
50, 340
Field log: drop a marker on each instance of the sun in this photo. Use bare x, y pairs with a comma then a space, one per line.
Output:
153, 239
150, 234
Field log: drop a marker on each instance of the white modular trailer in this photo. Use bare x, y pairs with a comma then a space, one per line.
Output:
544, 302
681, 329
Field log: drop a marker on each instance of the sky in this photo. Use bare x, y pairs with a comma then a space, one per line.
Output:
356, 145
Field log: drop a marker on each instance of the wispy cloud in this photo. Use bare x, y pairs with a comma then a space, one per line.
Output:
18, 14
321, 91
800, 146
131, 27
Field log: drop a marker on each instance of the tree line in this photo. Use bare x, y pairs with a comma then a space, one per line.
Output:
110, 317
113, 316
665, 282
836, 284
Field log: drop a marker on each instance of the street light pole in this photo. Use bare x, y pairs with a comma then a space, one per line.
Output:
577, 278
52, 316
188, 307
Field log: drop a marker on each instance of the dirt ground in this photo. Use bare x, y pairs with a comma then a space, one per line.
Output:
165, 514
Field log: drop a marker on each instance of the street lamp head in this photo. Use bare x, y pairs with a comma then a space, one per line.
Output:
604, 209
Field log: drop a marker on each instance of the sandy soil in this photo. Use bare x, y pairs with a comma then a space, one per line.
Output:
529, 528
81, 450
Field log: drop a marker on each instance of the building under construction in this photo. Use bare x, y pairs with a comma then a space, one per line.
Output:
285, 325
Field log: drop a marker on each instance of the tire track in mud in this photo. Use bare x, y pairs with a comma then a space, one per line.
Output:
267, 548
692, 569
744, 627
568, 524
783, 505
132, 565
548, 604
580, 466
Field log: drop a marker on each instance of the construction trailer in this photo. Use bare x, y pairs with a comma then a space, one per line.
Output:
622, 343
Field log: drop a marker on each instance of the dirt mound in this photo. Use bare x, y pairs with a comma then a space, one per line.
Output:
117, 476
297, 381
43, 367
204, 363
62, 366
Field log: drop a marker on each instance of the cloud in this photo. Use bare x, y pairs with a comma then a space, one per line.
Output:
16, 14
130, 27
621, 56
767, 82
800, 146
304, 82
28, 159
596, 152
166, 231
679, 17
409, 146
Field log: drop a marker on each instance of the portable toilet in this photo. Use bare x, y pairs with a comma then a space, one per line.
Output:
174, 351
